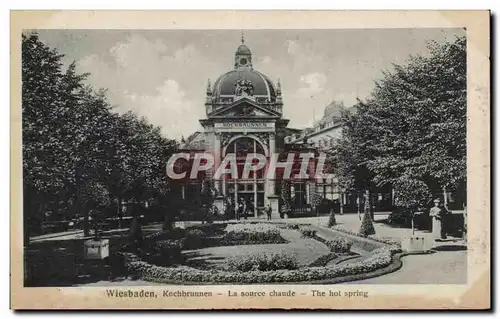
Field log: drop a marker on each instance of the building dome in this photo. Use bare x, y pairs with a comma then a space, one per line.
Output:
226, 84
243, 80
333, 109
243, 49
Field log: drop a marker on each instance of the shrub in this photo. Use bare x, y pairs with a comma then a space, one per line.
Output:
385, 240
262, 262
249, 238
367, 225
323, 260
400, 216
135, 231
194, 239
250, 227
164, 252
332, 221
339, 245
253, 234
177, 233
195, 233
308, 232
210, 229
166, 245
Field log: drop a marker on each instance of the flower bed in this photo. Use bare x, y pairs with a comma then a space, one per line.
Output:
384, 240
262, 262
323, 260
260, 268
336, 245
250, 234
377, 260
339, 245
307, 232
251, 227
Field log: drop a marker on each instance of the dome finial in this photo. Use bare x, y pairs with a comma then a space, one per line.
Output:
209, 89
242, 37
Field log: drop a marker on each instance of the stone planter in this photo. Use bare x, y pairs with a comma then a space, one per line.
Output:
414, 244
96, 249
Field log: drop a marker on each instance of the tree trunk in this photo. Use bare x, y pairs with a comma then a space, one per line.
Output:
167, 222
445, 197
412, 221
341, 208
86, 226
370, 201
361, 203
367, 204
119, 212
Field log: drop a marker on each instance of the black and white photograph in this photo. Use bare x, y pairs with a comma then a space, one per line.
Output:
244, 157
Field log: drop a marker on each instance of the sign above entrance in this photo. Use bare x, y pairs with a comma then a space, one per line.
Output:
249, 126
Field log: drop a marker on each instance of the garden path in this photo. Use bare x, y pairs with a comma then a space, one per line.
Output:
448, 263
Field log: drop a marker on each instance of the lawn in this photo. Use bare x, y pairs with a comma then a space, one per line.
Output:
307, 250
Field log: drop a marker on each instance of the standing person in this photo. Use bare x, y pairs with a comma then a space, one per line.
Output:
438, 214
245, 209
239, 211
269, 211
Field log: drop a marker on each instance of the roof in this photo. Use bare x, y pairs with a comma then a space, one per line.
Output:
262, 85
243, 49
195, 141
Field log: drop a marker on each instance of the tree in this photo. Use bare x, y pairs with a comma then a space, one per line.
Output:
207, 200
348, 156
419, 114
286, 197
412, 195
332, 221
76, 148
367, 227
411, 132
95, 197
316, 200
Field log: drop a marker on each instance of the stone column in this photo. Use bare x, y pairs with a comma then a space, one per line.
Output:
308, 193
272, 198
272, 150
217, 160
219, 199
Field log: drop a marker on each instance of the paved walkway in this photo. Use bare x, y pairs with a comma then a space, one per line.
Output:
448, 265
78, 234
442, 267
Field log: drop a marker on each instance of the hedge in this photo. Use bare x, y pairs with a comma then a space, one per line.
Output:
262, 262
384, 240
339, 245
308, 232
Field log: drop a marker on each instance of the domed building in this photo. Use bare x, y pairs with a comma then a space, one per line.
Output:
244, 109
243, 115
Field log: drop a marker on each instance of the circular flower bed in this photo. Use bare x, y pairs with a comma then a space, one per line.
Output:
266, 269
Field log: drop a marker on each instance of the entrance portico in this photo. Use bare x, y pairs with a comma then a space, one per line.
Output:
240, 135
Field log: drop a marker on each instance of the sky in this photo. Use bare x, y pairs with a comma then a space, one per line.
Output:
162, 74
